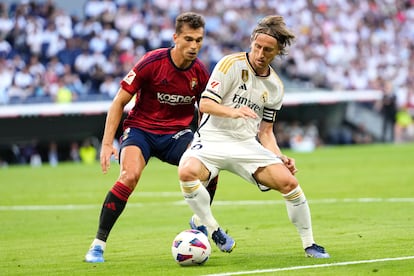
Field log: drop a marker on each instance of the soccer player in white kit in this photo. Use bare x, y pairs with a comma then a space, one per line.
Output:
239, 108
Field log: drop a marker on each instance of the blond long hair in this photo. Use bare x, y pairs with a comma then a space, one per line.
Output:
275, 26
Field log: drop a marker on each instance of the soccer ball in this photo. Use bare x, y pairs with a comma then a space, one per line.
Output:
191, 247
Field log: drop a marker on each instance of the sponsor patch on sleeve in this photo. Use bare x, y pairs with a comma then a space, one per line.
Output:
130, 77
214, 86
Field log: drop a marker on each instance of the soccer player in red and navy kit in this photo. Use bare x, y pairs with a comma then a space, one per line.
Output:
167, 84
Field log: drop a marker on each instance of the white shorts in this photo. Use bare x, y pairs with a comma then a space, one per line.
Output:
239, 157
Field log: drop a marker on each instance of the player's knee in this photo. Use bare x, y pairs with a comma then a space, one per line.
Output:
288, 185
186, 173
188, 170
130, 178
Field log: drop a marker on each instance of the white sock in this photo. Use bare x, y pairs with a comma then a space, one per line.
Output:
299, 214
196, 220
198, 198
99, 242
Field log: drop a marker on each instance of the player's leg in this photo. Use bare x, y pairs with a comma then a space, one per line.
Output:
212, 187
175, 145
133, 157
190, 171
278, 177
131, 165
195, 222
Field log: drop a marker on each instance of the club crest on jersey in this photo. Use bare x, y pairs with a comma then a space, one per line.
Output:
265, 96
130, 77
193, 83
245, 75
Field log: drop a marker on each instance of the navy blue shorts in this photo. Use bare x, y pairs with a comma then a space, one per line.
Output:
166, 147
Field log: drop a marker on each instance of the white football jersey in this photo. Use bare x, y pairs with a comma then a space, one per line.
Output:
234, 83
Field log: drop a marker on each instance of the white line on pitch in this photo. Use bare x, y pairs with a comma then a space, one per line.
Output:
182, 202
311, 266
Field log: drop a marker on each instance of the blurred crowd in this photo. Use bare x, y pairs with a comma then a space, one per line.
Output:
341, 45
36, 154
50, 55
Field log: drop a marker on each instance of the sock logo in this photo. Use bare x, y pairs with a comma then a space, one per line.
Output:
110, 205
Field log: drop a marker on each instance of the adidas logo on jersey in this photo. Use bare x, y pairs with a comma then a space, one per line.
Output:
243, 87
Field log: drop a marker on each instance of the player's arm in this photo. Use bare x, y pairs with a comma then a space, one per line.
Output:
212, 107
113, 119
268, 139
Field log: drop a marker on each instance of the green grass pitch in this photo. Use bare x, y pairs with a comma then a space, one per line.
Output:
361, 198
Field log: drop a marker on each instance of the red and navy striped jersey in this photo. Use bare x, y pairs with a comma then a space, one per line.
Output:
165, 95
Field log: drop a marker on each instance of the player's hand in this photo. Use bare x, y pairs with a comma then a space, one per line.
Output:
289, 163
244, 112
107, 150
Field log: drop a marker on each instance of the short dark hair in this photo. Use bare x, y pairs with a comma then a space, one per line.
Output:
275, 26
193, 20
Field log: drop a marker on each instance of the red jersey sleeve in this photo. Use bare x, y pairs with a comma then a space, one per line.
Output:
133, 81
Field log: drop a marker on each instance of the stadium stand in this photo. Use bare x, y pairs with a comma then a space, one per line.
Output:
341, 45
47, 51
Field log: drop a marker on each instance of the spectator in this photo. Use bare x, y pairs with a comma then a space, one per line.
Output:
98, 44
388, 109
55, 65
86, 28
63, 93
23, 85
36, 68
6, 79
34, 35
83, 65
109, 87
404, 127
53, 42
74, 152
50, 82
6, 23
5, 48
3, 163
87, 152
17, 62
94, 8
68, 55
109, 34
63, 23
53, 154
125, 19
408, 103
